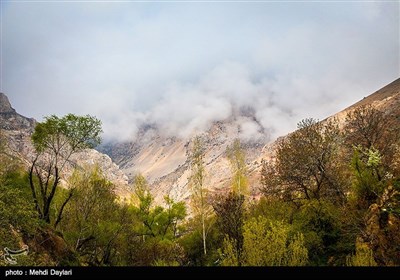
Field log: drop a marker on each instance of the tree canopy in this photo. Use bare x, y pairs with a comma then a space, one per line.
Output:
56, 140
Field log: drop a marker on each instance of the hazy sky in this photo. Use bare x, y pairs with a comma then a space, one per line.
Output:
182, 65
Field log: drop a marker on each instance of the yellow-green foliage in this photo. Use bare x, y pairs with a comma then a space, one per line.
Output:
272, 244
237, 159
93, 220
228, 253
266, 243
165, 263
362, 257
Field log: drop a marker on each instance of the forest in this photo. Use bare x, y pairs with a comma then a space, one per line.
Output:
330, 197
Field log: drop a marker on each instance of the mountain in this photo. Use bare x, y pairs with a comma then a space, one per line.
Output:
386, 99
15, 128
18, 129
164, 160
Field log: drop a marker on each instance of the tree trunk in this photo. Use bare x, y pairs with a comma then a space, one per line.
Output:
59, 217
204, 233
32, 185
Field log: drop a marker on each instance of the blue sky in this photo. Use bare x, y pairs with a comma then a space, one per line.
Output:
184, 65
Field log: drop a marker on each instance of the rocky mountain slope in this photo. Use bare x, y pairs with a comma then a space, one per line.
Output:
17, 130
164, 160
386, 99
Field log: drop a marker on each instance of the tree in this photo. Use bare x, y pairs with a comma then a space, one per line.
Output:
306, 165
237, 159
229, 210
368, 183
144, 204
378, 205
321, 223
372, 142
267, 243
370, 128
156, 221
228, 253
94, 219
192, 242
157, 227
55, 141
199, 192
362, 257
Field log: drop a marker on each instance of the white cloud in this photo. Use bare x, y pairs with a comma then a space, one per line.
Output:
184, 65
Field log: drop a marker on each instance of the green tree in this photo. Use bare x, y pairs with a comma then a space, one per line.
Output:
192, 242
144, 201
94, 220
237, 159
267, 243
228, 253
321, 223
362, 257
199, 192
55, 141
272, 244
368, 182
157, 221
157, 227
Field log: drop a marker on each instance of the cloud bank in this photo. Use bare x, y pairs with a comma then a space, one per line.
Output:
184, 65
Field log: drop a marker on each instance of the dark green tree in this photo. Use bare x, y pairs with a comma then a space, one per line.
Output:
230, 213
